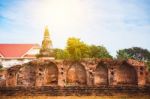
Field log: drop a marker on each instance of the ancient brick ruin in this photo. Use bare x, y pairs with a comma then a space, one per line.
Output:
96, 72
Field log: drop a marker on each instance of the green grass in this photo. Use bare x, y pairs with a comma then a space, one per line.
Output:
74, 97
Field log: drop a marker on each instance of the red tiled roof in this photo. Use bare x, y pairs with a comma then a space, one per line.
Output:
14, 50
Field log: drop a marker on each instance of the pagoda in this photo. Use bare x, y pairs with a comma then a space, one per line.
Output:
46, 48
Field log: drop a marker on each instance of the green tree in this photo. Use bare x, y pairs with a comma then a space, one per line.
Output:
98, 52
61, 54
77, 49
136, 53
123, 55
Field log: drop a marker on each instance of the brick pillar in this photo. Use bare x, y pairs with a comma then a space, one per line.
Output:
61, 74
112, 76
141, 75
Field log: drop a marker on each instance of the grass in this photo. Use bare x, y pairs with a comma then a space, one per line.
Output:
74, 97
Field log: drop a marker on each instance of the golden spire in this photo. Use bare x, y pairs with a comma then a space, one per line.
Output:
46, 33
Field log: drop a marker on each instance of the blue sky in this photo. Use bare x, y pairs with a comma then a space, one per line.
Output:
116, 24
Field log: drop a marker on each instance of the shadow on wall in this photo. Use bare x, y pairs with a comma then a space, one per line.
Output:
101, 75
76, 75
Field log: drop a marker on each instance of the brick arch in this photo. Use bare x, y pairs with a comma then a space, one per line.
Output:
38, 74
126, 75
76, 75
101, 75
51, 74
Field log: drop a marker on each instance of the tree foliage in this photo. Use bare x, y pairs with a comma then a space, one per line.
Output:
77, 50
61, 54
136, 53
98, 52
123, 55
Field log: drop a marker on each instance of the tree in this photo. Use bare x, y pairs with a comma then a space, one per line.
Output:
98, 52
77, 49
123, 55
61, 54
136, 53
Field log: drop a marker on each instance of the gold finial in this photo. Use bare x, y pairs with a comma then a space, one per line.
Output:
46, 33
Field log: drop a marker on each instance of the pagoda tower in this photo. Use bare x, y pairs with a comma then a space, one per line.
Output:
46, 48
46, 43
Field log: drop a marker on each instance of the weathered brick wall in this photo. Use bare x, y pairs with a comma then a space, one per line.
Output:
96, 72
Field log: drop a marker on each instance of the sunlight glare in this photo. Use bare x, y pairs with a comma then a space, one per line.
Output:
59, 13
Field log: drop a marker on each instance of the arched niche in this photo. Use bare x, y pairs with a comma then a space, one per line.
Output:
51, 74
76, 75
26, 76
101, 75
126, 75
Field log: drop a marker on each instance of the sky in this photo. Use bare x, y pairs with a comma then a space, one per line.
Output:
115, 24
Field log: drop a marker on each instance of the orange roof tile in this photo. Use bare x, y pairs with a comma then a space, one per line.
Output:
14, 50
